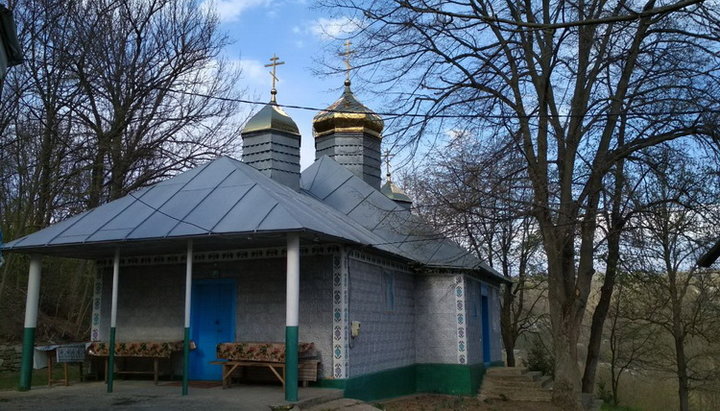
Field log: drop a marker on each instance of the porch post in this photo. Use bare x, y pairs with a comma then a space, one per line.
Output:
31, 310
113, 320
188, 291
291, 316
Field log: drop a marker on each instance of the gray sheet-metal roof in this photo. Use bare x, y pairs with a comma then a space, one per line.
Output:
336, 186
224, 196
228, 197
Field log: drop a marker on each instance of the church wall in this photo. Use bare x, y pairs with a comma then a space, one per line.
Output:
495, 331
473, 308
382, 300
151, 301
436, 320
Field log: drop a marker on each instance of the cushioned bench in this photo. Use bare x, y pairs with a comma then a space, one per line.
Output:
137, 349
237, 355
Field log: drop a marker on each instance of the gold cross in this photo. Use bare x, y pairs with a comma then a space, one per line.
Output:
347, 55
274, 59
388, 156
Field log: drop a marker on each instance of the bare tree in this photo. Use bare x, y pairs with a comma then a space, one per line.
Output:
113, 96
631, 342
666, 239
554, 77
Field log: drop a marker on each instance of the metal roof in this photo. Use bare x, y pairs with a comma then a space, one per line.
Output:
228, 199
222, 197
336, 186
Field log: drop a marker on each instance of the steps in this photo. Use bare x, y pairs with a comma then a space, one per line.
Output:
516, 384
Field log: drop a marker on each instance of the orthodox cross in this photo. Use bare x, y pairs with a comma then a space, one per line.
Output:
274, 59
388, 156
347, 55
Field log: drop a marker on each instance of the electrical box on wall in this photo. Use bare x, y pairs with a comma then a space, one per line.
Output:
354, 329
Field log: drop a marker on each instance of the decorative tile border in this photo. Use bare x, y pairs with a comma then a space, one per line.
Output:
216, 256
461, 320
96, 305
380, 261
340, 337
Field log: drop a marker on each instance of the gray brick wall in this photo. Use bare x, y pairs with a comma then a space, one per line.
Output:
435, 320
151, 301
387, 332
474, 320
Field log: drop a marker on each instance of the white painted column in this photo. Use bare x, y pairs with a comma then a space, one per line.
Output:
116, 279
31, 311
113, 321
293, 280
33, 292
292, 308
188, 298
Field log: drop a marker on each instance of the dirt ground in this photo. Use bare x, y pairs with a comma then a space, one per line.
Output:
453, 403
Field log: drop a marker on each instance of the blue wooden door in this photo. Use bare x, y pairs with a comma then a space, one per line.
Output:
212, 321
485, 329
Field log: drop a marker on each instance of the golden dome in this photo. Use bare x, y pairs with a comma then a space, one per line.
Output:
271, 117
347, 115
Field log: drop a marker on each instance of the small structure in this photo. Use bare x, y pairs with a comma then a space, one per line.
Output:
254, 251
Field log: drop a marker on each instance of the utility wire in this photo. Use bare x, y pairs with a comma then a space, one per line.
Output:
439, 115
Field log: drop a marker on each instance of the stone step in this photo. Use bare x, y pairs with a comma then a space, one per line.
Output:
516, 384
506, 371
519, 381
528, 376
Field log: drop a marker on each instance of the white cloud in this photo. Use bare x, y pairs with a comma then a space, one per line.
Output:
230, 10
254, 73
333, 28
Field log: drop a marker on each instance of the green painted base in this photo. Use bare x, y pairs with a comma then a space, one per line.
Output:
111, 361
186, 362
453, 379
27, 359
291, 363
331, 383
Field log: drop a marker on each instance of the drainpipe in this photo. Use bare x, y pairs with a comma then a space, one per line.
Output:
31, 311
186, 343
291, 316
113, 321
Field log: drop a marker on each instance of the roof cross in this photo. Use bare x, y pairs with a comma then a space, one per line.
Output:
347, 55
274, 59
388, 156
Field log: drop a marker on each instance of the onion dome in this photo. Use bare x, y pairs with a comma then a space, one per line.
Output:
347, 115
271, 117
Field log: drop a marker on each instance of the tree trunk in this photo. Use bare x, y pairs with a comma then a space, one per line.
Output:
598, 319
682, 373
507, 326
565, 329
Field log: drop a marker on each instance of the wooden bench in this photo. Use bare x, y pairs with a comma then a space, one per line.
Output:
124, 350
307, 370
235, 357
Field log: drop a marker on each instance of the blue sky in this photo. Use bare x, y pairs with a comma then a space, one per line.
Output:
298, 34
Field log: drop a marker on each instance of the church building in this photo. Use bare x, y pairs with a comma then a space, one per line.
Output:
255, 251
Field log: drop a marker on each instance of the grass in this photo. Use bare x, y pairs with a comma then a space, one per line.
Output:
11, 380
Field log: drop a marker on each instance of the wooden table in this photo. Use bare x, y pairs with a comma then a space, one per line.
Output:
64, 354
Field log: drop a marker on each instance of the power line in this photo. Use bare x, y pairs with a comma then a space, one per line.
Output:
439, 115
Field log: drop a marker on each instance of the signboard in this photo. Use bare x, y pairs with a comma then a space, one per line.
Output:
71, 353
